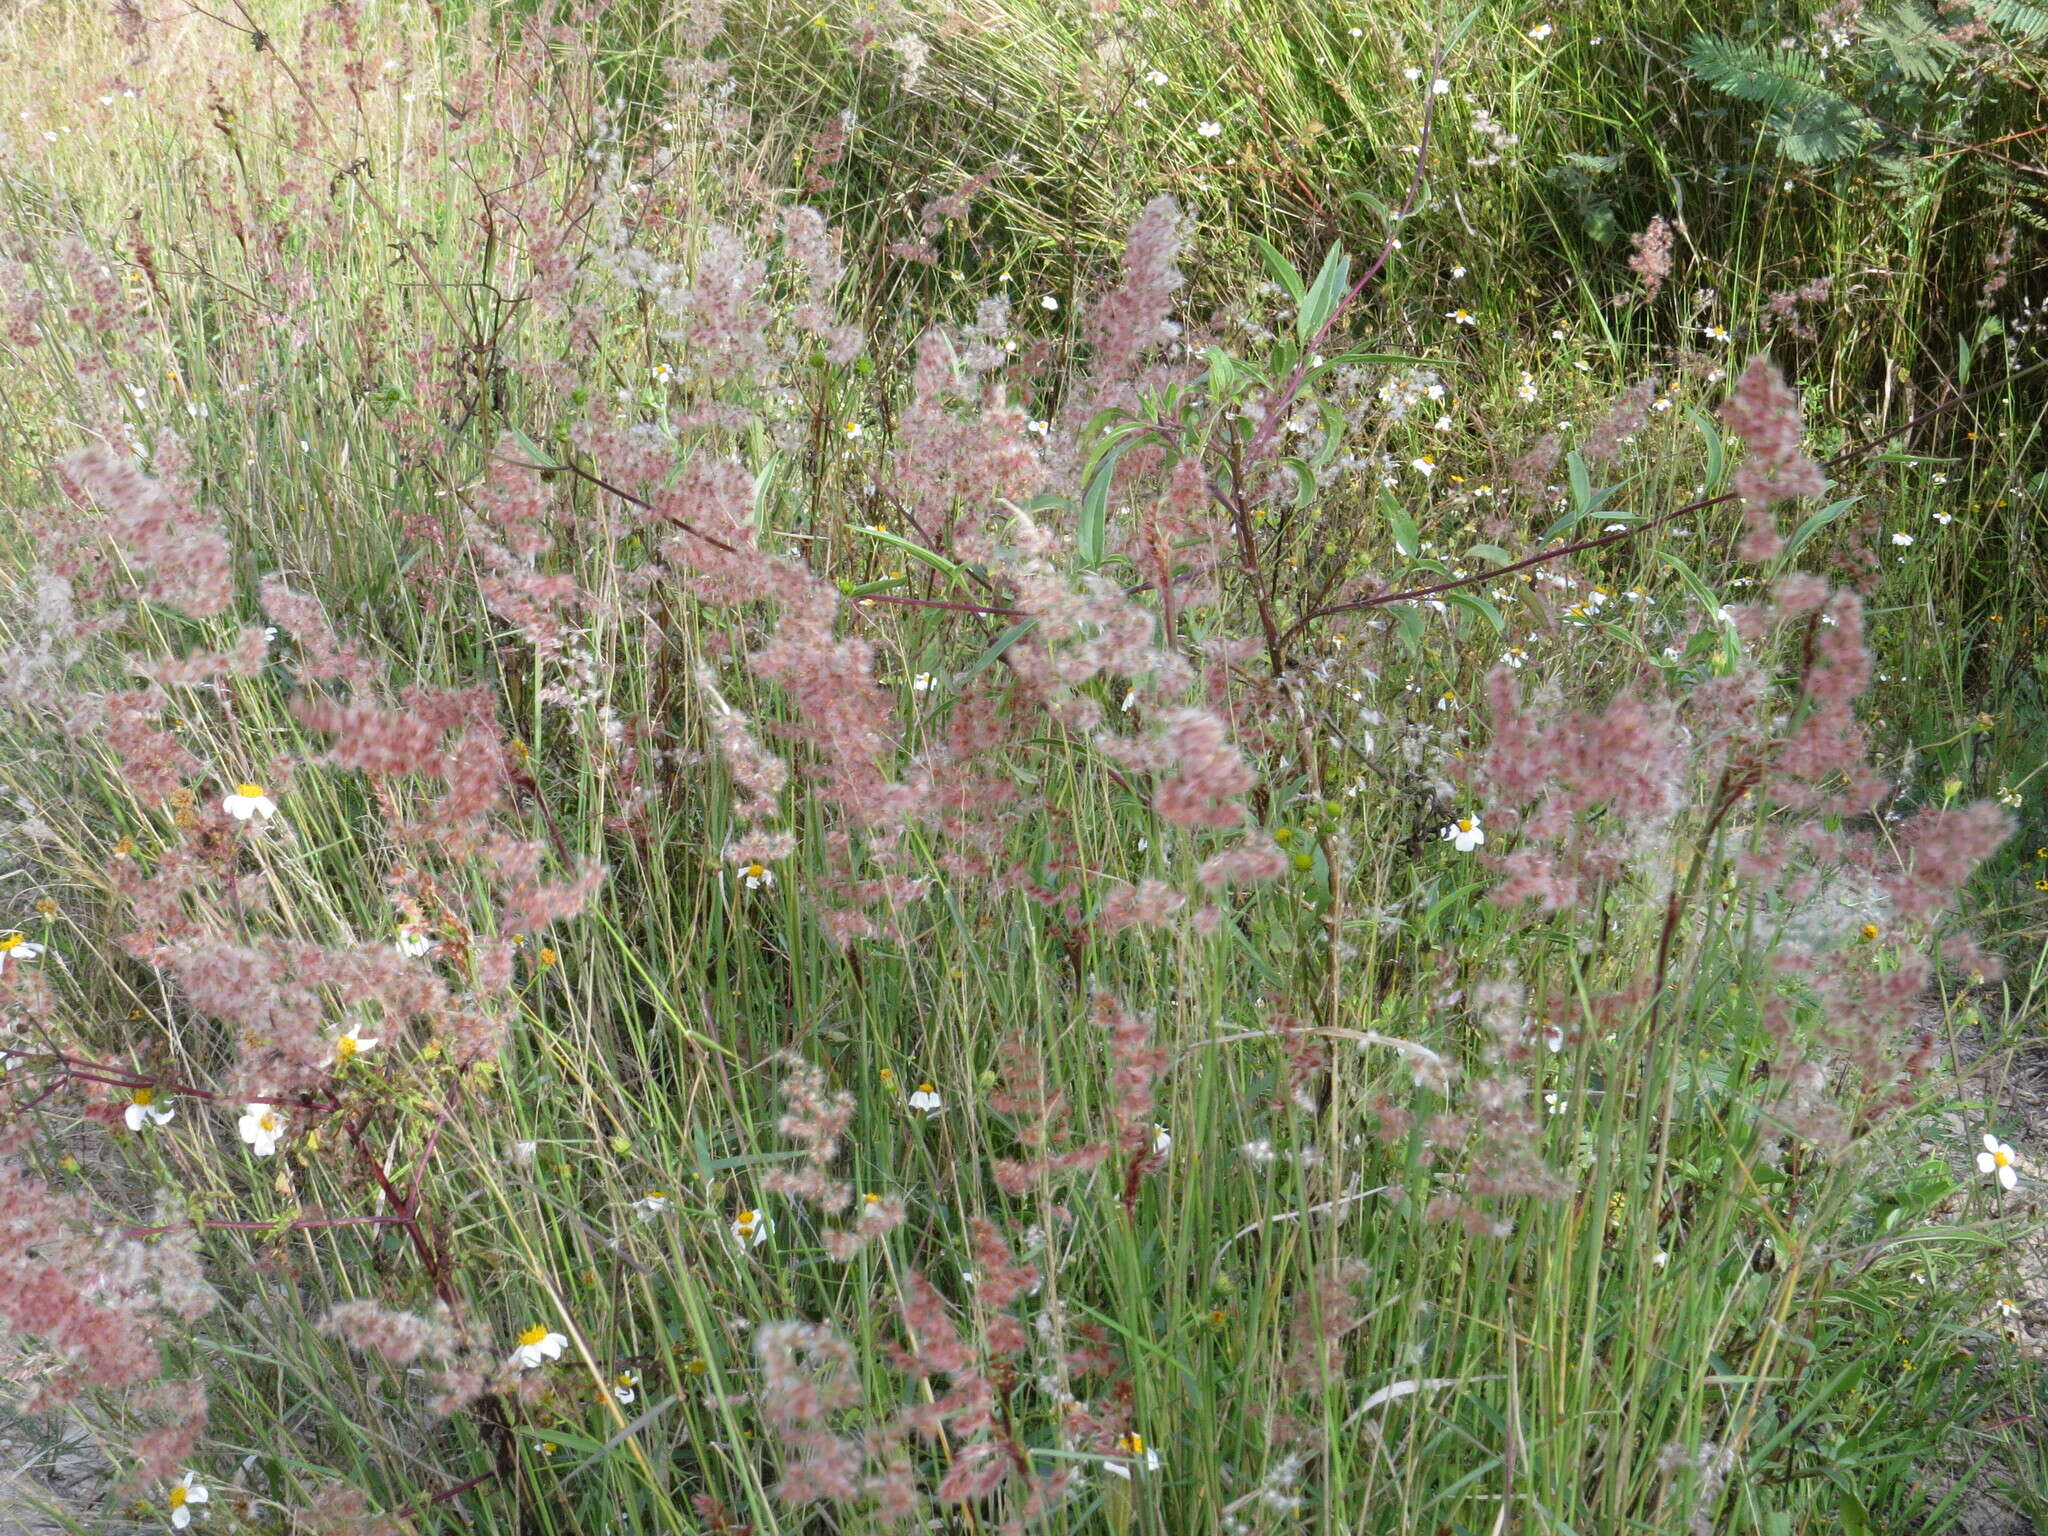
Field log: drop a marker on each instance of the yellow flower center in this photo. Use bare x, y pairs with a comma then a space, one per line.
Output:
177, 1496
533, 1335
268, 1122
145, 1096
755, 871
12, 941
249, 791
2002, 1158
657, 1194
1870, 930
746, 1221
872, 1199
1465, 825
1135, 1444
345, 1048
547, 957
926, 1088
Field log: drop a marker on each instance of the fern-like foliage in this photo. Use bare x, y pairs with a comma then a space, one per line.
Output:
2029, 21
1812, 122
1778, 80
1919, 50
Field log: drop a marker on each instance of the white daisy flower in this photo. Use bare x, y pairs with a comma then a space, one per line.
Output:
1210, 130
1526, 391
1132, 1445
1048, 303
922, 683
249, 800
143, 1109
184, 1493
1553, 1037
262, 1127
2007, 1307
1462, 317
1439, 86
756, 877
1162, 1140
1465, 834
1555, 1104
1424, 467
351, 1043
414, 940
652, 1204
626, 1387
1902, 539
750, 1229
537, 1346
1515, 656
1996, 1160
1715, 332
1155, 77
15, 946
926, 1100
1539, 33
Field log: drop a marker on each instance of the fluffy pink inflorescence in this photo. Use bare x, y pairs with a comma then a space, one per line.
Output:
157, 523
1764, 412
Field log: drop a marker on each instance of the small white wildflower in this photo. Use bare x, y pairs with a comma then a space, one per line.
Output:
1048, 303
926, 1100
922, 683
1539, 33
262, 1127
184, 1493
1132, 1445
414, 940
1902, 539
756, 876
1462, 317
143, 1109
1996, 1160
249, 800
1465, 834
750, 1229
652, 1204
1162, 1140
1155, 77
626, 1386
16, 946
537, 1346
353, 1043
1555, 1104
1209, 130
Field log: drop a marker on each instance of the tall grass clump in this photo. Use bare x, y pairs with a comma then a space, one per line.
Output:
693, 844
